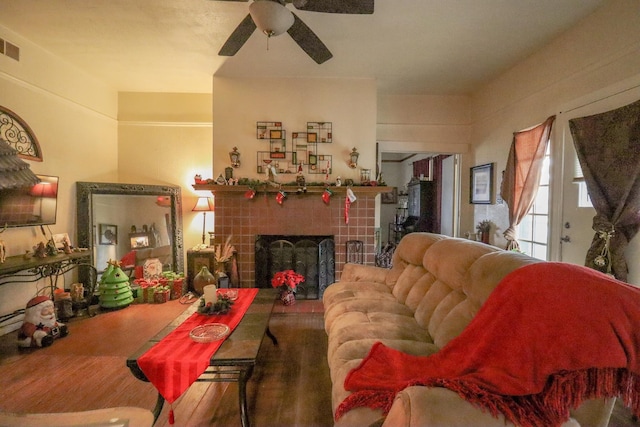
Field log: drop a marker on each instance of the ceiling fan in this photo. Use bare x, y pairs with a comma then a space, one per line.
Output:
273, 18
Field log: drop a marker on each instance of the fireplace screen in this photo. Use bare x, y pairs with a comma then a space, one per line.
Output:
311, 256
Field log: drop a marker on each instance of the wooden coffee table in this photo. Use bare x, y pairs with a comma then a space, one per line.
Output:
235, 359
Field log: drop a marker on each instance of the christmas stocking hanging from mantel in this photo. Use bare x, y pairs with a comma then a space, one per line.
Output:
326, 195
347, 204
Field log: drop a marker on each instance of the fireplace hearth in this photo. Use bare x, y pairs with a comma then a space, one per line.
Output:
311, 256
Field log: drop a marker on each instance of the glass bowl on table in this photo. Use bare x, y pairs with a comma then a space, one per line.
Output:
209, 332
230, 293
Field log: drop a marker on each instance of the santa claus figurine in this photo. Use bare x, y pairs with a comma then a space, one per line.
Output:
40, 326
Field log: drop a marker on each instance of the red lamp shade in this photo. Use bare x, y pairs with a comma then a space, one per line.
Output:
44, 189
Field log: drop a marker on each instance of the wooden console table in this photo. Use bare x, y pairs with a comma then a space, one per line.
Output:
18, 269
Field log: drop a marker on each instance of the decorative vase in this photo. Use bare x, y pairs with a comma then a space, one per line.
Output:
484, 237
202, 279
288, 297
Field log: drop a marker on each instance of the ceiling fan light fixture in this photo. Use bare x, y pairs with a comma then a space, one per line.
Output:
271, 17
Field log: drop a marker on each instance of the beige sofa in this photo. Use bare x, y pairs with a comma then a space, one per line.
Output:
435, 287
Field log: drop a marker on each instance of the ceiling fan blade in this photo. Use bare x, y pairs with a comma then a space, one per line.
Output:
308, 41
239, 36
359, 7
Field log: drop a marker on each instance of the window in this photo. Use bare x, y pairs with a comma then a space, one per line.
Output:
533, 230
584, 201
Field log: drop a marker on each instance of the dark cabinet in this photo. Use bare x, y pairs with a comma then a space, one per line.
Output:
422, 206
207, 258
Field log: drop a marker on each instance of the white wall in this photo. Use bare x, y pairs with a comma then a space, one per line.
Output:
601, 50
433, 124
166, 138
74, 118
349, 104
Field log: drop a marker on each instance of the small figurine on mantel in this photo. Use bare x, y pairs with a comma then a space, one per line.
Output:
221, 180
302, 185
51, 248
40, 326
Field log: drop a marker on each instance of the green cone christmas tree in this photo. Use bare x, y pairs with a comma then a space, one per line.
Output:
115, 291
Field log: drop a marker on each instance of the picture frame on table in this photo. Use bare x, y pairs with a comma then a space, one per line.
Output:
107, 234
60, 239
481, 190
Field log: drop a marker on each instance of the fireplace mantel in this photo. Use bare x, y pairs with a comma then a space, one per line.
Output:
312, 189
244, 218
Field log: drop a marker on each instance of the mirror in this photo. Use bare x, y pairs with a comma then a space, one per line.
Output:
131, 221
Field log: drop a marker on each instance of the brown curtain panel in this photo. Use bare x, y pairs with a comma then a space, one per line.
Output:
437, 176
522, 175
608, 147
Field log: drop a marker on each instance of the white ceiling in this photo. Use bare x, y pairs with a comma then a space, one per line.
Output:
408, 46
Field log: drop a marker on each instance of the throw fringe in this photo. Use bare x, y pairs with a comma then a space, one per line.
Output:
564, 391
374, 399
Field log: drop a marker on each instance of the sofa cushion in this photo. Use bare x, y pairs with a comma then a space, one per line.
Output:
402, 328
368, 308
364, 289
410, 251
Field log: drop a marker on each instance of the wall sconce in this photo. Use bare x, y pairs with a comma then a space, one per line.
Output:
353, 158
204, 205
235, 157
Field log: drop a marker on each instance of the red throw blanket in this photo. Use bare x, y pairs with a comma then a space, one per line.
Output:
548, 337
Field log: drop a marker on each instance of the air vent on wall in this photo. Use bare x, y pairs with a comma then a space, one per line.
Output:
9, 49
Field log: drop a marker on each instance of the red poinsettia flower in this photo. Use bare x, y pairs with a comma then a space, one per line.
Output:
287, 279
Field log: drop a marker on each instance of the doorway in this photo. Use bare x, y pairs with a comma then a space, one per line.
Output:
396, 166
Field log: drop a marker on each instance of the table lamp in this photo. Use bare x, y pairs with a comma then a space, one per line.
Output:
204, 205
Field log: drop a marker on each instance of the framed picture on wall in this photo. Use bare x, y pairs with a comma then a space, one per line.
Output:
481, 185
107, 234
390, 197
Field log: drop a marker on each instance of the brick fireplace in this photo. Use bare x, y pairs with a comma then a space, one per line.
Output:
299, 214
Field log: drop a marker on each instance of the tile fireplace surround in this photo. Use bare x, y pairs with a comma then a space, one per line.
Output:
300, 214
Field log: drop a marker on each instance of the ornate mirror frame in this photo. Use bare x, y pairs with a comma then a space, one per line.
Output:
84, 211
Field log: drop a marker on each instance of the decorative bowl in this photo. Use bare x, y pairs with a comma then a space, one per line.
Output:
209, 332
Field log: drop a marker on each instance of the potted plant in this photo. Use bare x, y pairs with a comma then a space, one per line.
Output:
484, 230
287, 281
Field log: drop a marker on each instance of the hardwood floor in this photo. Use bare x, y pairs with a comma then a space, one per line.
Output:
86, 370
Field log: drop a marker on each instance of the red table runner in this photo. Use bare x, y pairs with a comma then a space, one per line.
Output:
176, 362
